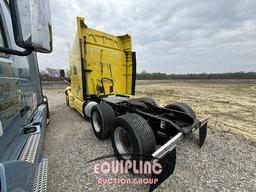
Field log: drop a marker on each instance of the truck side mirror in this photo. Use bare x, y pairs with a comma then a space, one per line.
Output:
32, 27
62, 74
31, 21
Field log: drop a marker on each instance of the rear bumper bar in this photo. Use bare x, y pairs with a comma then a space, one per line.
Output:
166, 154
168, 146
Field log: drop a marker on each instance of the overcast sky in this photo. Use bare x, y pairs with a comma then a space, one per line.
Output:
172, 36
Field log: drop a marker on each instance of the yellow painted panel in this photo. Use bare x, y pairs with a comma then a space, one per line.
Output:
75, 102
106, 60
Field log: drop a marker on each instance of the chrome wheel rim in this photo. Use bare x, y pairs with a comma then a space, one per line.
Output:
123, 143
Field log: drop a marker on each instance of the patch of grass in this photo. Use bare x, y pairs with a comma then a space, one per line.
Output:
156, 92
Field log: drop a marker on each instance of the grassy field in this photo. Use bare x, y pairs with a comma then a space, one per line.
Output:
230, 104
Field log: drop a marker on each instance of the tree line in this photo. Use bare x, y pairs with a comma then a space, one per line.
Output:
163, 76
51, 74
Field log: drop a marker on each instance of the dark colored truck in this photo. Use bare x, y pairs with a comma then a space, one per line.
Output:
25, 29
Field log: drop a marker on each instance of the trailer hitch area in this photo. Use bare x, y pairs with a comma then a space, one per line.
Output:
202, 126
166, 156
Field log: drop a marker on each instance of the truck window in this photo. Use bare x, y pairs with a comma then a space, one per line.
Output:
18, 97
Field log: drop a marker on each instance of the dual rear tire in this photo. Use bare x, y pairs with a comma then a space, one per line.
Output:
182, 107
102, 116
131, 135
178, 106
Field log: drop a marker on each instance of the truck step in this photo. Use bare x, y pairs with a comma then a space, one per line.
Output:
40, 181
30, 148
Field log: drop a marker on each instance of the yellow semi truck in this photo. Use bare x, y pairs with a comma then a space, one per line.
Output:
102, 78
100, 64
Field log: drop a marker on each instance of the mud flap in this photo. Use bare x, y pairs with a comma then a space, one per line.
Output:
168, 165
202, 134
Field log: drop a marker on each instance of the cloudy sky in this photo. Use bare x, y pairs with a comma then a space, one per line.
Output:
172, 36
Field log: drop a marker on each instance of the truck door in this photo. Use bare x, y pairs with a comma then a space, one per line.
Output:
20, 91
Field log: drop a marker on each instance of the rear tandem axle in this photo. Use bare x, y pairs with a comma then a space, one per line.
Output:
137, 126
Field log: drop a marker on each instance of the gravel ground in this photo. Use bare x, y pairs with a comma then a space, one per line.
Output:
225, 163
